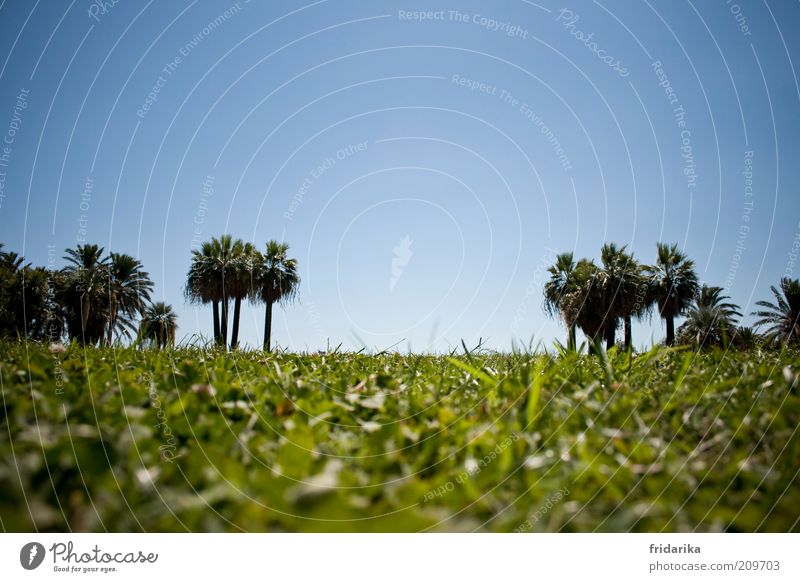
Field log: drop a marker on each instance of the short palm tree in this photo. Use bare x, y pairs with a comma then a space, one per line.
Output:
745, 338
782, 318
712, 297
278, 281
556, 289
711, 320
129, 288
674, 285
158, 325
83, 293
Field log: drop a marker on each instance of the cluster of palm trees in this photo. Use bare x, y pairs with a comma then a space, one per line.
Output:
97, 299
225, 270
94, 300
599, 299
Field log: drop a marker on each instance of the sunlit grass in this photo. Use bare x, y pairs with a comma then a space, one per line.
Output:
125, 440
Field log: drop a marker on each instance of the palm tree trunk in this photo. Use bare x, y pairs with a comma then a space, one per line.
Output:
84, 316
223, 324
572, 341
592, 345
112, 320
610, 333
670, 330
628, 332
237, 306
110, 332
216, 322
268, 327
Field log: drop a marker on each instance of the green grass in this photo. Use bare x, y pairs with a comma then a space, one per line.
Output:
122, 440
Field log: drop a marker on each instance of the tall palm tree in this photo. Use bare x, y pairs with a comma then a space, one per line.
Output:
242, 281
226, 260
674, 285
584, 302
278, 282
84, 292
620, 279
202, 284
556, 289
641, 306
211, 273
129, 288
158, 325
711, 320
783, 316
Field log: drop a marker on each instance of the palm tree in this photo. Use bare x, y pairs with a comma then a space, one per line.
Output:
783, 316
83, 293
11, 261
202, 283
129, 288
712, 297
242, 282
674, 285
11, 264
226, 252
212, 271
745, 338
621, 281
641, 305
39, 315
28, 306
711, 320
158, 325
278, 281
584, 302
556, 289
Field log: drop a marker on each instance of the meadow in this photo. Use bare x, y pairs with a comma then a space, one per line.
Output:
673, 439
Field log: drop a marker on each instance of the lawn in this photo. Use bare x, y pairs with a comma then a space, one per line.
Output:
669, 440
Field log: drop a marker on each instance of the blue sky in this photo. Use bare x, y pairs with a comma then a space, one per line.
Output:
424, 168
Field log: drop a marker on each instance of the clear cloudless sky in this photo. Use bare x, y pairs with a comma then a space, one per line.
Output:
424, 171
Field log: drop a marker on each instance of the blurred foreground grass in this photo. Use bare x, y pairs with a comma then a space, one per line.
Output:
124, 440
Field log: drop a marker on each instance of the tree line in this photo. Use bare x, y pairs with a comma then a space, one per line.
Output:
96, 299
599, 299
